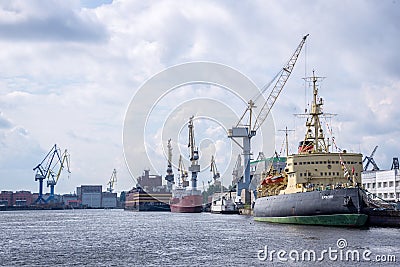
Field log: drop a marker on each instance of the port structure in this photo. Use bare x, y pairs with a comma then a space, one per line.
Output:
112, 181
183, 174
370, 160
247, 130
194, 168
170, 175
47, 169
395, 164
213, 169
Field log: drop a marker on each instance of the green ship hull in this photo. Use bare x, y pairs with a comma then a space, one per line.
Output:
332, 220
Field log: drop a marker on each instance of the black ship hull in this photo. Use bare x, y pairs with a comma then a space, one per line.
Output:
157, 206
341, 207
140, 200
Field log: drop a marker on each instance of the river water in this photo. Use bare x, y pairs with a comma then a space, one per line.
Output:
125, 238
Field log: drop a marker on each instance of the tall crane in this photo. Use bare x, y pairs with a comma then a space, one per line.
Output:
170, 175
247, 130
112, 181
237, 172
194, 155
183, 174
213, 169
46, 170
371, 160
53, 178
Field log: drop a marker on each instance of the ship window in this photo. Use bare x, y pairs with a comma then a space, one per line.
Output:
329, 174
385, 195
337, 162
390, 184
397, 183
391, 195
295, 163
337, 173
384, 184
373, 185
379, 184
326, 174
301, 174
324, 162
300, 163
322, 174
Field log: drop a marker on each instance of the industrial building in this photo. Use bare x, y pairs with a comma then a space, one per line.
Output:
90, 195
109, 200
6, 198
70, 200
19, 198
383, 184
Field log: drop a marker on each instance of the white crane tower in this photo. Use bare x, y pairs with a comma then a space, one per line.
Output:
247, 131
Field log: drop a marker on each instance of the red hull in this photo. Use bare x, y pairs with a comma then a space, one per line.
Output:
187, 204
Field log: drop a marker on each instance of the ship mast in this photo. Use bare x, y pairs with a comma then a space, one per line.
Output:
314, 140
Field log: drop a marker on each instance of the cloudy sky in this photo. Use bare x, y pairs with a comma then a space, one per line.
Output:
70, 69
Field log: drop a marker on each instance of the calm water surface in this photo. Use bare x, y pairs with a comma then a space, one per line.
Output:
123, 238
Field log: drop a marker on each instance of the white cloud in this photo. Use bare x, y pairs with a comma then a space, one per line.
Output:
69, 73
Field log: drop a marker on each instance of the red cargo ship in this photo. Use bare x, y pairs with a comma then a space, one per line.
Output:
186, 201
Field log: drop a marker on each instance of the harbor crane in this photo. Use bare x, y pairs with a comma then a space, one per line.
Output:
237, 172
47, 170
246, 130
53, 179
170, 175
194, 154
183, 173
112, 181
370, 160
213, 169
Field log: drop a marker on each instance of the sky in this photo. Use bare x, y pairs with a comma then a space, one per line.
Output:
70, 70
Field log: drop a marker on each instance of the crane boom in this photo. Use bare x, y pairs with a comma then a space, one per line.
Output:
65, 161
183, 172
112, 181
371, 160
213, 168
280, 83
